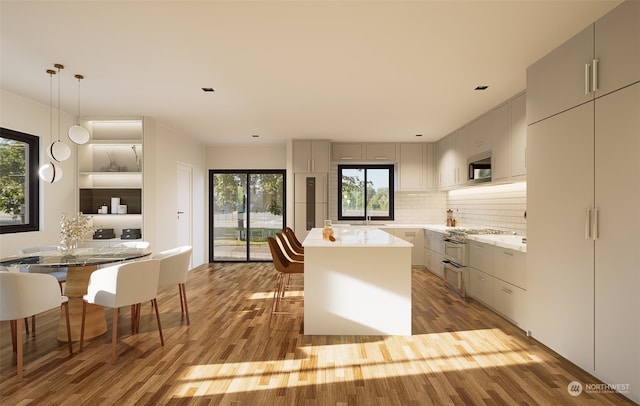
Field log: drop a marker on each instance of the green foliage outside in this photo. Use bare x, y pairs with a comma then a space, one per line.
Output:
266, 193
12, 178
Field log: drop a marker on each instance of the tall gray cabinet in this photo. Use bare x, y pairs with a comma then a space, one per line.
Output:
583, 198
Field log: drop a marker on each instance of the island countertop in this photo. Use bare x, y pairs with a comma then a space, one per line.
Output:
355, 236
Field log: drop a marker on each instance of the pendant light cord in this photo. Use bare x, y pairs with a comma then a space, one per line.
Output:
59, 124
51, 73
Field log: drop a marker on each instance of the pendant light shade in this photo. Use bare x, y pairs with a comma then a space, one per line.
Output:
50, 172
59, 151
77, 133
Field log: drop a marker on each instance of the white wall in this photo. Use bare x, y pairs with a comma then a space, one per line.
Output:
170, 148
246, 157
24, 115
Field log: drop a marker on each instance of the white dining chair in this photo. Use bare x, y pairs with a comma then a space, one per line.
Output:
126, 284
174, 265
60, 273
26, 294
133, 244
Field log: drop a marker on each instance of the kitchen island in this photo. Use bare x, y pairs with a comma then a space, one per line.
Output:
359, 284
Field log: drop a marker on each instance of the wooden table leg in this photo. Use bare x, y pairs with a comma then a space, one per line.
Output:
74, 289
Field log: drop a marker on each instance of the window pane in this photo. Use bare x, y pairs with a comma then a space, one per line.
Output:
378, 192
352, 192
14, 190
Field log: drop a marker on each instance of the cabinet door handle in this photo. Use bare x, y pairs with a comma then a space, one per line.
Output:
594, 77
587, 68
507, 253
587, 225
509, 291
596, 219
313, 165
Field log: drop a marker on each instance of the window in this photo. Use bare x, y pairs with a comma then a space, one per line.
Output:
19, 186
365, 191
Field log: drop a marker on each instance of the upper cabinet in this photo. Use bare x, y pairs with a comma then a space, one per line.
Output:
519, 135
479, 133
501, 133
601, 58
311, 156
381, 152
346, 152
415, 170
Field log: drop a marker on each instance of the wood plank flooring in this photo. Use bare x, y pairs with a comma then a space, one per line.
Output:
460, 353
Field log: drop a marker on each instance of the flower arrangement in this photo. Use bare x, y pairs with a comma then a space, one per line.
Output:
72, 230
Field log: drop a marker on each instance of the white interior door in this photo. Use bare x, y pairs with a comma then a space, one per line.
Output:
185, 204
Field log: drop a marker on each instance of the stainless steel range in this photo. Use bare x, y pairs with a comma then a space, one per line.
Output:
456, 257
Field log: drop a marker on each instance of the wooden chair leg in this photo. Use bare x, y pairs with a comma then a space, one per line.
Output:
181, 302
33, 326
133, 319
66, 315
14, 325
84, 313
155, 305
114, 336
183, 295
19, 358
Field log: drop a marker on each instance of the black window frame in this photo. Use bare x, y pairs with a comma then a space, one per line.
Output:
32, 182
391, 170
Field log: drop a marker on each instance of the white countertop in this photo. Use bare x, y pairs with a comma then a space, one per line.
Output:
355, 236
512, 242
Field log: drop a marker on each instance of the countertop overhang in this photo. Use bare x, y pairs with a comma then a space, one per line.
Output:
355, 236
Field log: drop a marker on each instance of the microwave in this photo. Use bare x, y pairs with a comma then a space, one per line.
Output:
480, 168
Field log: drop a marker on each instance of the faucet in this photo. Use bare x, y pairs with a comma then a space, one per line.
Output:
367, 220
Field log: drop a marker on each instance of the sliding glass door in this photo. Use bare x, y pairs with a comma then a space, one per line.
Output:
246, 207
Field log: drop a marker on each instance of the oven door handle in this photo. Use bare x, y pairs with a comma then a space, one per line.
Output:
453, 264
450, 241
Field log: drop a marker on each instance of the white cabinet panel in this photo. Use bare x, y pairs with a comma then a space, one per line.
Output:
311, 156
481, 286
501, 133
617, 47
480, 135
519, 135
510, 301
300, 187
346, 152
557, 82
559, 258
510, 266
481, 256
415, 236
411, 167
381, 151
617, 263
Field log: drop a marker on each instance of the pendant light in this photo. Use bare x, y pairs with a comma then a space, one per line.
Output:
50, 172
58, 150
77, 133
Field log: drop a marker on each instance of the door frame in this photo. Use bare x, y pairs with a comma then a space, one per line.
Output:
247, 172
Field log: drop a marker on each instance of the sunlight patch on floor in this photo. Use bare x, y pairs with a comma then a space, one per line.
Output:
421, 355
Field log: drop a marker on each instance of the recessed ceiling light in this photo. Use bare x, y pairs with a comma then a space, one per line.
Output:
255, 136
418, 135
208, 89
483, 87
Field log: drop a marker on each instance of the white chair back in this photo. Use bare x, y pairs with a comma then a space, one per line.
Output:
25, 294
174, 265
40, 248
124, 284
133, 244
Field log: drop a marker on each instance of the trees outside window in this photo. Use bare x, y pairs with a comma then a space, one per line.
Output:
19, 186
365, 191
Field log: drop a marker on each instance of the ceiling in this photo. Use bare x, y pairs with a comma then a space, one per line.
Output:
339, 70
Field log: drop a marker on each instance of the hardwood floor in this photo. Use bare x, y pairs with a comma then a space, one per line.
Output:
460, 353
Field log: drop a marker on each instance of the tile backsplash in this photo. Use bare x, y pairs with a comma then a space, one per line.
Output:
498, 206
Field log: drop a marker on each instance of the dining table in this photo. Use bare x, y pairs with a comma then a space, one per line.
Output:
81, 262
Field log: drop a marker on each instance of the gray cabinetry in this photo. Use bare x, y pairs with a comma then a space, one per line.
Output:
600, 59
582, 245
311, 156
